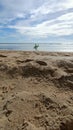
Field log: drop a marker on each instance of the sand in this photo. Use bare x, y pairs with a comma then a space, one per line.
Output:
36, 90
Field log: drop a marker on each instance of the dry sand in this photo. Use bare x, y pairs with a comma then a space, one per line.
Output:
36, 91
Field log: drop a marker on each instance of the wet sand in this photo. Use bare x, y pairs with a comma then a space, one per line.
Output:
36, 90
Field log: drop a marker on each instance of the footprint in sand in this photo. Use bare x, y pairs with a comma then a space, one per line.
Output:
2, 55
41, 63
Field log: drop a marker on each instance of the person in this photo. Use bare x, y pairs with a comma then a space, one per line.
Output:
36, 46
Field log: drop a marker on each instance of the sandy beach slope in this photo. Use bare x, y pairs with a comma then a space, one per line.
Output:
36, 90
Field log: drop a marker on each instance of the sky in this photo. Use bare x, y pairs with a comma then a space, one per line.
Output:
36, 21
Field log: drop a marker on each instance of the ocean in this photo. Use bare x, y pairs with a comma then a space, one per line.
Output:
51, 47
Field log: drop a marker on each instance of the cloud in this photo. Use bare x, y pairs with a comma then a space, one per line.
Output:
41, 18
61, 26
12, 9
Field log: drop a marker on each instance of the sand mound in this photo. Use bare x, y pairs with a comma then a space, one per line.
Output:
36, 93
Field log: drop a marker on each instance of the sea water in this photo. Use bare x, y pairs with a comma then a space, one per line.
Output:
51, 47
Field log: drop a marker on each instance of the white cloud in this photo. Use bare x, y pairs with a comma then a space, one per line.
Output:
66, 17
13, 9
67, 4
35, 11
61, 26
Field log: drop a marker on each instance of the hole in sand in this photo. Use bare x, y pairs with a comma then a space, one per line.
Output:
2, 55
68, 125
41, 63
28, 60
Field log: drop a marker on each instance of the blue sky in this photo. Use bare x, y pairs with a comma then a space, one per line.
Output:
36, 21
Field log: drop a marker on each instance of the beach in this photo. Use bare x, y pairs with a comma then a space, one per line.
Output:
36, 90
